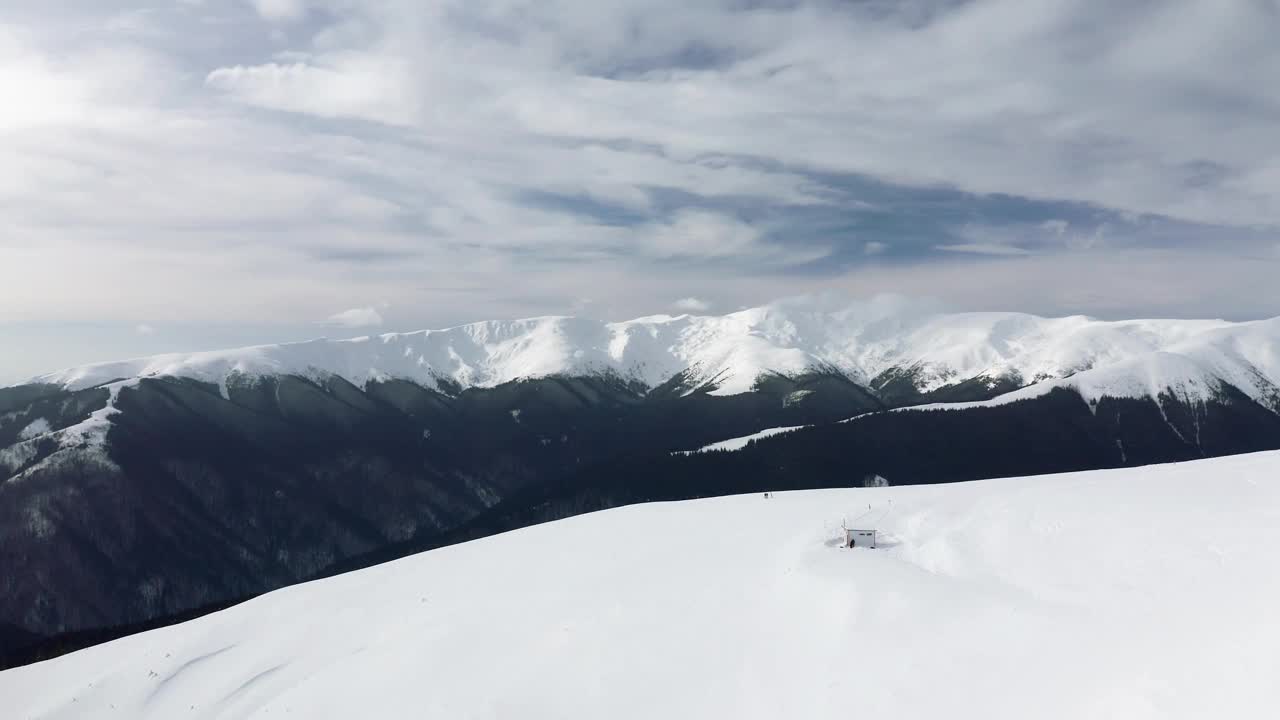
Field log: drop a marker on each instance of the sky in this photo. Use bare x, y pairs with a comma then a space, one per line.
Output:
195, 174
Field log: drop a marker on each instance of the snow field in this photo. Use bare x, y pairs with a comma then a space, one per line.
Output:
1135, 593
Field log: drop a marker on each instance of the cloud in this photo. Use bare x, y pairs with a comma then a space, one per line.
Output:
280, 10
1019, 117
1109, 283
1056, 226
358, 87
692, 305
711, 235
144, 330
356, 318
984, 249
311, 155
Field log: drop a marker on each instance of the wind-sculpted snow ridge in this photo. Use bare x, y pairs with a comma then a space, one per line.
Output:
728, 354
1137, 593
1199, 369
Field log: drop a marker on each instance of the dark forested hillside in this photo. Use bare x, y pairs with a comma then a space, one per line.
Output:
1057, 432
195, 498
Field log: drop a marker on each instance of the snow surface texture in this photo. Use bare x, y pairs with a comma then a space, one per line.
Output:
1135, 593
1192, 358
83, 443
738, 443
35, 429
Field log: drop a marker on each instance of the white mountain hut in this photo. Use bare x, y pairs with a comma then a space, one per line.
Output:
859, 538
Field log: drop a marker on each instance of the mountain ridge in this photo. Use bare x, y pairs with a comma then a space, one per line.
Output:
871, 343
137, 491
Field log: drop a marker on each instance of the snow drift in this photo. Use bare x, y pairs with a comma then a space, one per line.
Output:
1137, 593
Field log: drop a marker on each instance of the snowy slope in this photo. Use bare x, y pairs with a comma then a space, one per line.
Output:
1139, 593
1245, 357
861, 340
739, 443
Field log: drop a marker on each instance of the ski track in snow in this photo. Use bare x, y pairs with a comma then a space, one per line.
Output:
1136, 593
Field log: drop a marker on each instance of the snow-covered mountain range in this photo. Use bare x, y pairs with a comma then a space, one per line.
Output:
871, 343
136, 491
1135, 593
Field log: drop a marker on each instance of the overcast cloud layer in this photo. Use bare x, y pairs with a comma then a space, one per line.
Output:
220, 171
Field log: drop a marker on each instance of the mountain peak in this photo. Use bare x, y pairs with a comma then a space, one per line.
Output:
862, 340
